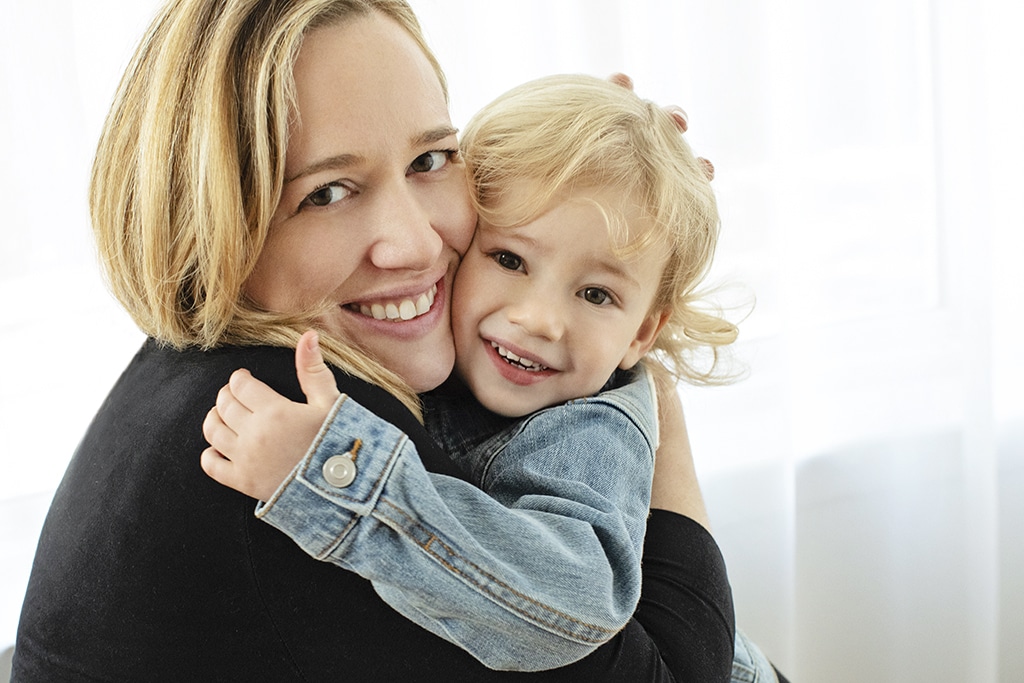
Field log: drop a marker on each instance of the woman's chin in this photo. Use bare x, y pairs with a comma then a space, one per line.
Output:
425, 375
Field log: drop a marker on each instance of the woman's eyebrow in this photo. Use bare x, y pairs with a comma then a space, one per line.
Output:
332, 162
434, 135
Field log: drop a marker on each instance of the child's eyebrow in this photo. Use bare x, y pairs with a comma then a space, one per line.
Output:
615, 268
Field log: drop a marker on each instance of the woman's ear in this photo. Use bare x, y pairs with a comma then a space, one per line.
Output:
645, 338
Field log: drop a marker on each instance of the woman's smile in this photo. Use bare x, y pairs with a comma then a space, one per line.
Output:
401, 309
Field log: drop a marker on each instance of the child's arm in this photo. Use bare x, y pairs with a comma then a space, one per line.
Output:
534, 585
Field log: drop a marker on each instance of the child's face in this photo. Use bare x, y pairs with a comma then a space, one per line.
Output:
545, 312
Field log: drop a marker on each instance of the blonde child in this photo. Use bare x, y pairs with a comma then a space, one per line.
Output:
596, 226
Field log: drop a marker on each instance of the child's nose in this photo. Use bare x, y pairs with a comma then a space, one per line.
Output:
539, 315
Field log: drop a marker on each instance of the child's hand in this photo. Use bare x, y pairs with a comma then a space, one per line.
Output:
258, 436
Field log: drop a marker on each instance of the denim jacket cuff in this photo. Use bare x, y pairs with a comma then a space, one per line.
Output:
347, 465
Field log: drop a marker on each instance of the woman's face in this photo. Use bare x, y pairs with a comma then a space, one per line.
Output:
375, 210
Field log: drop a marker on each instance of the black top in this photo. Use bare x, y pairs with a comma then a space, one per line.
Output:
148, 570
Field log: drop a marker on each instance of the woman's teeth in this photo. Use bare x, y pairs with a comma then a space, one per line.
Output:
513, 359
406, 309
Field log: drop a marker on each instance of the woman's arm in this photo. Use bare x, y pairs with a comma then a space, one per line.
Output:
675, 487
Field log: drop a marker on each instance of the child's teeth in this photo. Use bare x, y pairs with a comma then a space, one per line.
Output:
408, 310
521, 362
378, 311
423, 304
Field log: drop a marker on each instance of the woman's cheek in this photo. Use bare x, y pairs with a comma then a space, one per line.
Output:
457, 218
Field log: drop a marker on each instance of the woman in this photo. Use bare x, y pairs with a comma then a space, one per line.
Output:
268, 165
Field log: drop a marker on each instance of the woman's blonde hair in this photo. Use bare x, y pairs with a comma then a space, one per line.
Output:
190, 167
577, 132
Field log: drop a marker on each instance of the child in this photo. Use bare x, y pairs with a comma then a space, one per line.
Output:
596, 225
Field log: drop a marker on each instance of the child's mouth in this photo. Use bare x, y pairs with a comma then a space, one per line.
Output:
514, 360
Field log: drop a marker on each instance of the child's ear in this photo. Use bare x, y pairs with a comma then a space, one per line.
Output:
645, 338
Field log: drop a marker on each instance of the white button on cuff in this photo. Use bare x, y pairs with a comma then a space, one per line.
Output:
339, 470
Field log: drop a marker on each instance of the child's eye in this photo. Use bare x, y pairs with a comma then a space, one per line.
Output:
325, 195
596, 296
508, 260
432, 161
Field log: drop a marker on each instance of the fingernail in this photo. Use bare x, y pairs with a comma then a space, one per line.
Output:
709, 168
622, 80
678, 114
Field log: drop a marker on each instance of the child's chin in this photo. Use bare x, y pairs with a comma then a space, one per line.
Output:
504, 408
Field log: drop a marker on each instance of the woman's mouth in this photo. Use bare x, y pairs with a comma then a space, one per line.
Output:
517, 361
399, 310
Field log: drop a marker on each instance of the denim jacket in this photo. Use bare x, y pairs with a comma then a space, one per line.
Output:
567, 488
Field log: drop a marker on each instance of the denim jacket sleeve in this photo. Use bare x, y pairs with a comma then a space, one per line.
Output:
531, 574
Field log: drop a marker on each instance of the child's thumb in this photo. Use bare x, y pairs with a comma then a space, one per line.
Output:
315, 378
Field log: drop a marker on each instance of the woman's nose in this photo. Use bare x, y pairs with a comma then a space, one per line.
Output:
406, 238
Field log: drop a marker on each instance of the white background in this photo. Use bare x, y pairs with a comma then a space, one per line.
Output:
865, 479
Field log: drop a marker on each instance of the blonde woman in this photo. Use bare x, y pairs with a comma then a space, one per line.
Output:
268, 166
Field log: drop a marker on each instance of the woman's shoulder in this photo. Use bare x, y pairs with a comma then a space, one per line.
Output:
273, 365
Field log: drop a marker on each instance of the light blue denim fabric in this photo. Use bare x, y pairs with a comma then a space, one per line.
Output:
749, 665
533, 572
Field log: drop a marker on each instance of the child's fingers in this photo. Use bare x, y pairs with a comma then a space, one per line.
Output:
233, 474
251, 393
216, 466
217, 433
230, 410
315, 378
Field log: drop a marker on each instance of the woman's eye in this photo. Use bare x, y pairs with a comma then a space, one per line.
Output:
508, 260
596, 296
432, 161
326, 195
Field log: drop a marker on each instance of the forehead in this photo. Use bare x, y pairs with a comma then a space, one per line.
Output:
612, 218
362, 87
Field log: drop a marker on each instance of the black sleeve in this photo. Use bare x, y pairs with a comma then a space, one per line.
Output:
686, 603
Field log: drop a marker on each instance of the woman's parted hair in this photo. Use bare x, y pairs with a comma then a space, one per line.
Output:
571, 131
190, 166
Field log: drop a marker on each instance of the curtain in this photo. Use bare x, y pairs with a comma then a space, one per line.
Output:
864, 479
